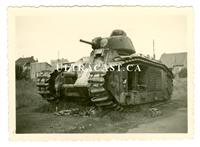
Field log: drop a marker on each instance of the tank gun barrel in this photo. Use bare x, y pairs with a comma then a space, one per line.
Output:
87, 42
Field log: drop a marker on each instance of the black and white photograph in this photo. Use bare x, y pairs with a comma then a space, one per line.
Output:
101, 70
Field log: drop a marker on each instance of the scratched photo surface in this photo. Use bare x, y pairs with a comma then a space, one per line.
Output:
83, 73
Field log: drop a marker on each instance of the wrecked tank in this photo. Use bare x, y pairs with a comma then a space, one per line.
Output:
112, 77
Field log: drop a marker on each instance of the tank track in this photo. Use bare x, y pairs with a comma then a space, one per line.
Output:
98, 93
44, 84
133, 59
100, 96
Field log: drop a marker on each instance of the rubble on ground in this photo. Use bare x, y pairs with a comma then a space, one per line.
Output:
77, 112
152, 112
155, 112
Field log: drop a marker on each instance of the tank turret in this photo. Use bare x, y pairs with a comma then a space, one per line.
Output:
117, 41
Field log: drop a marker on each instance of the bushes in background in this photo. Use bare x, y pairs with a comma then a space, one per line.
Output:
183, 73
21, 74
18, 72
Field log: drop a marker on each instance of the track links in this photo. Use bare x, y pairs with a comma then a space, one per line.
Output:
99, 94
44, 84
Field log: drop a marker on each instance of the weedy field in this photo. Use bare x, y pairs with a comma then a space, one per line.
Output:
35, 115
26, 95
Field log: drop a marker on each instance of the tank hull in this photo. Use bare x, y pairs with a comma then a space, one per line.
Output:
113, 76
128, 80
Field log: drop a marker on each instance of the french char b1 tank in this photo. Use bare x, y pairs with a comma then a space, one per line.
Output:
113, 76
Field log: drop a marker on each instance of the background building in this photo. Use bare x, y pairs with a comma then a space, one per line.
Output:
54, 63
25, 62
36, 68
175, 61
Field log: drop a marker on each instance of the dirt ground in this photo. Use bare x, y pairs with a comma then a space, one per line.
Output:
172, 120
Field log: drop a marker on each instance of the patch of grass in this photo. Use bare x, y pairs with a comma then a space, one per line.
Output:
45, 108
116, 116
62, 105
27, 95
111, 116
100, 113
179, 88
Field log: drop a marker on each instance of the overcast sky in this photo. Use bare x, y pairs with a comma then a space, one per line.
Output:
42, 36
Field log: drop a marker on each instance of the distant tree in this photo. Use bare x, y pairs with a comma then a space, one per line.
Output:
183, 73
18, 72
21, 74
26, 74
